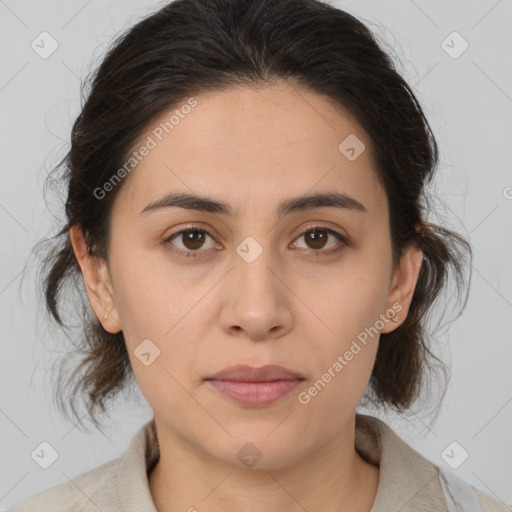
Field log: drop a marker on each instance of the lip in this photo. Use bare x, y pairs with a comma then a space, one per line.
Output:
253, 387
246, 373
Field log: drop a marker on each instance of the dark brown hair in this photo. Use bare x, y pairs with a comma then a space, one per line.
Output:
193, 46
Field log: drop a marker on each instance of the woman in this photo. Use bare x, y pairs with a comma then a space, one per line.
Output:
246, 207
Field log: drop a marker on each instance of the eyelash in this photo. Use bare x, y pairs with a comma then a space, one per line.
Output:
319, 252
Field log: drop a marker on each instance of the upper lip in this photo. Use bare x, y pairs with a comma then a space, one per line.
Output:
246, 373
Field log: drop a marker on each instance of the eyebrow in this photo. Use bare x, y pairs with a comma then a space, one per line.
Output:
292, 205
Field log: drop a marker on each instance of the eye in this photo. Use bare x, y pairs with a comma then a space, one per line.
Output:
191, 239
316, 238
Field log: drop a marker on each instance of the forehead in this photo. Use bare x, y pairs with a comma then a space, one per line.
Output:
254, 145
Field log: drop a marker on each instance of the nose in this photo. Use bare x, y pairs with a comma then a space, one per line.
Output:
256, 301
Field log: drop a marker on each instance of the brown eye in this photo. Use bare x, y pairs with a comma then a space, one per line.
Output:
193, 239
318, 238
189, 241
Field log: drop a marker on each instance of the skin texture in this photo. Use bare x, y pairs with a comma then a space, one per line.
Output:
252, 148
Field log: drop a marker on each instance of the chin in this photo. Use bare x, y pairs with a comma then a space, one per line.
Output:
263, 448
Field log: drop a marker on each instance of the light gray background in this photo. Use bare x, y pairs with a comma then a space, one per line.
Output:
468, 101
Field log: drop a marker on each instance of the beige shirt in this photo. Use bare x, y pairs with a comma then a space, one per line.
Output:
408, 481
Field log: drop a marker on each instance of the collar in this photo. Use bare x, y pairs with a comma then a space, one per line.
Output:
406, 477
407, 480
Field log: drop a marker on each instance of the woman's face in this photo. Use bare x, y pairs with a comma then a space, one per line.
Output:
257, 286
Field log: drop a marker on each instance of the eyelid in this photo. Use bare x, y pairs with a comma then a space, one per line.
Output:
192, 227
342, 239
323, 225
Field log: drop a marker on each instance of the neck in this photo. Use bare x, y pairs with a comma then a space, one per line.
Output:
332, 478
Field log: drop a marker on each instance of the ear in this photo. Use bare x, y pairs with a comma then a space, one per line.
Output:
97, 282
405, 277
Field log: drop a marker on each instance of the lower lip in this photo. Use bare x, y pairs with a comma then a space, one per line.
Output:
253, 394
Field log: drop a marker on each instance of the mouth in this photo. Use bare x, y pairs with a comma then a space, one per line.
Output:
253, 387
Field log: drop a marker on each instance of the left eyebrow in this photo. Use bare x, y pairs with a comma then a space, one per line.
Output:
325, 199
292, 205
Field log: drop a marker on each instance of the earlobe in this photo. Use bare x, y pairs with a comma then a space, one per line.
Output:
403, 285
97, 282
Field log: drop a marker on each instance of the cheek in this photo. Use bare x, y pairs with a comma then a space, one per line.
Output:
159, 317
149, 300
352, 298
342, 363
349, 306
336, 388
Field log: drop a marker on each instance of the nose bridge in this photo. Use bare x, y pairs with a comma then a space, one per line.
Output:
257, 303
252, 269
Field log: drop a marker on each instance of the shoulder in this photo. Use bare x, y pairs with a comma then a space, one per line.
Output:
408, 479
489, 504
86, 492
117, 485
459, 493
